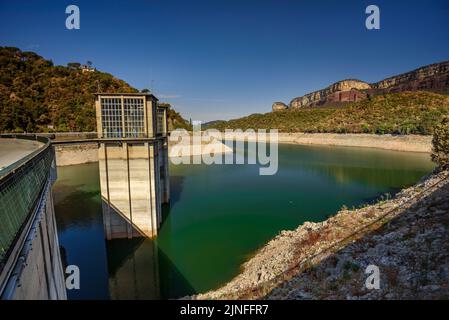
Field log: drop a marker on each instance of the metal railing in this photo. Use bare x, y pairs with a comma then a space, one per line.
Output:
21, 184
60, 136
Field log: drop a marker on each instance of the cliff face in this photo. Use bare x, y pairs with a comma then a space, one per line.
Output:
279, 106
434, 76
430, 78
325, 95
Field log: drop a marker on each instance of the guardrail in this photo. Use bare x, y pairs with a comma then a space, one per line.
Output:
61, 136
21, 184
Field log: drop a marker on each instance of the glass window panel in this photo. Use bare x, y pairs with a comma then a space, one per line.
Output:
134, 117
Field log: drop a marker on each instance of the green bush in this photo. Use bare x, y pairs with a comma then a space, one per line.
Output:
440, 142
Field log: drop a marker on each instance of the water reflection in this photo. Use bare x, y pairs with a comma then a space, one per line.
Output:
133, 267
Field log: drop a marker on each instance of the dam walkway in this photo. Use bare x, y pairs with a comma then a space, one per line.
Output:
30, 259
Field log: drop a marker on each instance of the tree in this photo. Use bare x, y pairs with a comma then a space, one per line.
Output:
74, 65
440, 143
145, 90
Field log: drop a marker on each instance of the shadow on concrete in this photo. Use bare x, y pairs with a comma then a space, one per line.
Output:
115, 213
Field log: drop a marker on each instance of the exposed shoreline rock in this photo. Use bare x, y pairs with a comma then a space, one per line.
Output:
406, 237
406, 143
279, 106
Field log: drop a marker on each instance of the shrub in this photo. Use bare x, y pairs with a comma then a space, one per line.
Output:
395, 113
440, 142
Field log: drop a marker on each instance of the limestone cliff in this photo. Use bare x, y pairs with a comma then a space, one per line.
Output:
431, 77
279, 106
434, 77
329, 94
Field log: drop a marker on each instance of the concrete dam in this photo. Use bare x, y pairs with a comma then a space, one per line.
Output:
30, 260
134, 182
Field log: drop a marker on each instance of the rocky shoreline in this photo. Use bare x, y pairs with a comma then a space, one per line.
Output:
406, 143
407, 237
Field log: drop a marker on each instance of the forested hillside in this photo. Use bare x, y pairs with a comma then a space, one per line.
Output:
396, 113
37, 96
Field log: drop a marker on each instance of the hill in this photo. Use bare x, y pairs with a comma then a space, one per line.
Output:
37, 96
433, 77
396, 113
175, 120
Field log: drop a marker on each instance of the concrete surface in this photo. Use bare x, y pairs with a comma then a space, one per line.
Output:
12, 150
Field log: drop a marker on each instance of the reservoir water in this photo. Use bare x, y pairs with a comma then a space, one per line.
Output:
218, 217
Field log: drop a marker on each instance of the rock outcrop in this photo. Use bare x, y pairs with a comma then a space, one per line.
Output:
434, 77
279, 106
345, 90
431, 77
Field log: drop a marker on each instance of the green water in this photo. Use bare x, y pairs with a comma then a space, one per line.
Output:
218, 217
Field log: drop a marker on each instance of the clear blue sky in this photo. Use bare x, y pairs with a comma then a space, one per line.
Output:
223, 59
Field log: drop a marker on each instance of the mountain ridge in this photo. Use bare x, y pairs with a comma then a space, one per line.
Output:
432, 77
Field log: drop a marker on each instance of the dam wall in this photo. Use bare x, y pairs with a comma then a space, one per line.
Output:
30, 259
42, 276
134, 184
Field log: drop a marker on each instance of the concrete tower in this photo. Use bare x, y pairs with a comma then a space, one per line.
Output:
133, 163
